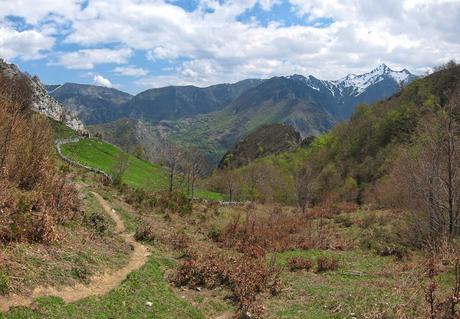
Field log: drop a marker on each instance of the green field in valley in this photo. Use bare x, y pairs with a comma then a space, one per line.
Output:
139, 173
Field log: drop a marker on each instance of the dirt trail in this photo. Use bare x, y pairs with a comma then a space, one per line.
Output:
226, 315
100, 284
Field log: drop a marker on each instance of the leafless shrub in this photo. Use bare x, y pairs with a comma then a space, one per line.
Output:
324, 264
447, 307
173, 202
179, 241
145, 231
427, 175
245, 276
299, 263
34, 196
256, 235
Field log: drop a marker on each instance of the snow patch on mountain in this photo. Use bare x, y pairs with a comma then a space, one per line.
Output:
357, 84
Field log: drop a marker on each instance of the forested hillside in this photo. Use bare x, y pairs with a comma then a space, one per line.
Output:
356, 160
266, 140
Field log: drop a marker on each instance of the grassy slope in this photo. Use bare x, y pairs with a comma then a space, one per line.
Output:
140, 174
127, 301
365, 283
83, 253
61, 131
380, 283
358, 286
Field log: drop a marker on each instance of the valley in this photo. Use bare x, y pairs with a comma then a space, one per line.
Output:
289, 197
215, 117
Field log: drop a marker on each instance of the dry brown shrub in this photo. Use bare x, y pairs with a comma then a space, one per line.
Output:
329, 208
34, 196
255, 235
179, 241
245, 276
145, 231
299, 263
324, 264
448, 306
26, 216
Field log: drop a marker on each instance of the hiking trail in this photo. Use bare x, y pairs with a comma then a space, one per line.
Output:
98, 284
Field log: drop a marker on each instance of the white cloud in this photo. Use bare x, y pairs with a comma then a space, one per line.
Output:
216, 47
102, 81
86, 59
27, 45
268, 4
130, 71
364, 33
36, 10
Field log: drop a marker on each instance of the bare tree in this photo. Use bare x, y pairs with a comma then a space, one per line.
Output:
119, 167
253, 178
196, 166
229, 179
306, 185
171, 158
429, 172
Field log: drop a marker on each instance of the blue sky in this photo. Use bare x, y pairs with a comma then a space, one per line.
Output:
133, 45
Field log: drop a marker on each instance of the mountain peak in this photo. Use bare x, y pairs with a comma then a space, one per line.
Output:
382, 68
359, 83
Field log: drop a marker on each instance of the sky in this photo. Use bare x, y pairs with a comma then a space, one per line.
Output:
133, 45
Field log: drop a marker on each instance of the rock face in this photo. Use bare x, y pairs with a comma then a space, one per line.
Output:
42, 102
48, 106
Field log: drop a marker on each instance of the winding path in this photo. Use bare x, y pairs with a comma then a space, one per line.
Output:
98, 285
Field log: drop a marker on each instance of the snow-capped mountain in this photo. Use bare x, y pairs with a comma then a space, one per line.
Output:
341, 96
357, 84
42, 102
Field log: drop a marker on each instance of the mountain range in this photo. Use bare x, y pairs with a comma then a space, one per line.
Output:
215, 117
92, 104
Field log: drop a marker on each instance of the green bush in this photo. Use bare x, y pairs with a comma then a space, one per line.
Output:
4, 282
385, 240
81, 272
343, 219
215, 234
